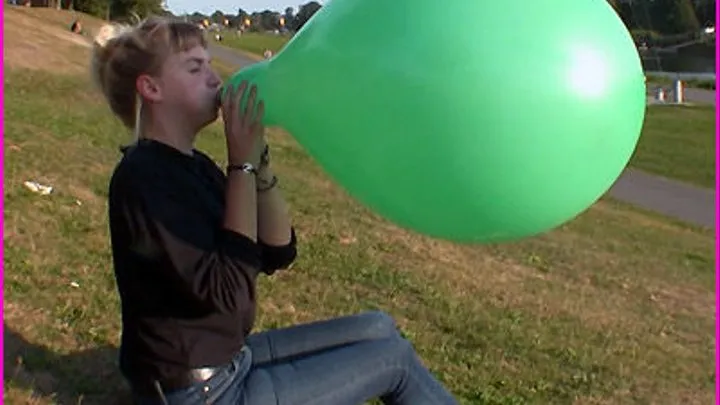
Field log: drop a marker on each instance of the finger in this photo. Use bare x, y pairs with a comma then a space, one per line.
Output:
260, 112
243, 86
227, 102
238, 98
257, 124
224, 104
250, 106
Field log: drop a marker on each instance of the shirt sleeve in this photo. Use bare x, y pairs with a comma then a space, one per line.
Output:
278, 257
217, 266
272, 257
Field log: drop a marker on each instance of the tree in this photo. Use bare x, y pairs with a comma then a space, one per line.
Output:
218, 17
197, 18
672, 17
618, 7
238, 20
625, 12
305, 13
289, 16
269, 20
663, 17
129, 10
255, 22
705, 11
97, 8
121, 10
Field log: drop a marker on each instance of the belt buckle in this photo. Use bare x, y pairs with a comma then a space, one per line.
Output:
203, 374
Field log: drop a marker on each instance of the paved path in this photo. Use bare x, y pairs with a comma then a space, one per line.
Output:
230, 56
672, 198
700, 96
692, 95
682, 201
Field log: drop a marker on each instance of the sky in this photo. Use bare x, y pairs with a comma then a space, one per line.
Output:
231, 6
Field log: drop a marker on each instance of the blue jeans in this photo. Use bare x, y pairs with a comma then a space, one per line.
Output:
342, 361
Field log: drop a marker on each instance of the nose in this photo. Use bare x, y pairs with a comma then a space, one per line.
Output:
214, 79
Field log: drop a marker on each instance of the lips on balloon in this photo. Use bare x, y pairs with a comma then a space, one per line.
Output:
482, 121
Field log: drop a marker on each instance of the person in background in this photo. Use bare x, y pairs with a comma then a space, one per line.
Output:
76, 27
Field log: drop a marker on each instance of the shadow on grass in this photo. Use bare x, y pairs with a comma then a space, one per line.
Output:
89, 377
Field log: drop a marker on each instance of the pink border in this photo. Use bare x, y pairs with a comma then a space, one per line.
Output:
717, 208
2, 199
717, 218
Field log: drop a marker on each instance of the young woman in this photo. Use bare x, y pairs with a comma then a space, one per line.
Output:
189, 241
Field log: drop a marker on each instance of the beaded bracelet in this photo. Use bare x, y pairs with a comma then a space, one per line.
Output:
270, 186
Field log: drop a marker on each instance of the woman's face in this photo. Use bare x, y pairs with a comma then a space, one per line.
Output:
189, 86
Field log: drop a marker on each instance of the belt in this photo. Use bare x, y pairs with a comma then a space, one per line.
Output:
149, 388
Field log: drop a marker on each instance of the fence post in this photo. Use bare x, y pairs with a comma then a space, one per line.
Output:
660, 95
679, 92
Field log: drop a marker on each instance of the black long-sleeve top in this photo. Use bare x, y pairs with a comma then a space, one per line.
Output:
186, 284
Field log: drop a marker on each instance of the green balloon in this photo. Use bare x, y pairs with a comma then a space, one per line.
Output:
472, 121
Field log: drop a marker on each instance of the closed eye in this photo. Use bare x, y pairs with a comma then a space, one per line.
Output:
196, 64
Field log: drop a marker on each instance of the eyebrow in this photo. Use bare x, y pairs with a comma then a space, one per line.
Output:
197, 60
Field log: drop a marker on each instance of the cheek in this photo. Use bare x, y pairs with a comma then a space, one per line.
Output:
187, 92
198, 89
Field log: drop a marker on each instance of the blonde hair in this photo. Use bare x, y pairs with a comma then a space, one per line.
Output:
121, 53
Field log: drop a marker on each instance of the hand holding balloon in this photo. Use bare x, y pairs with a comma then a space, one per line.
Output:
243, 125
539, 118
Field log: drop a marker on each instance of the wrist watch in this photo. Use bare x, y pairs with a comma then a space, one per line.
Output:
245, 168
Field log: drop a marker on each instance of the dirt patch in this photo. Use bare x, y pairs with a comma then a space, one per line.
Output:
32, 43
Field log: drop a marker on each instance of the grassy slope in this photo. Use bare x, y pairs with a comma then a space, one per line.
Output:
612, 308
254, 43
679, 142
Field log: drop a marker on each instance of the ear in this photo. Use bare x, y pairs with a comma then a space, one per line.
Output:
148, 88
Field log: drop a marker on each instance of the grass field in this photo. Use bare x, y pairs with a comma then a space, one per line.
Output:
255, 43
612, 308
679, 142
